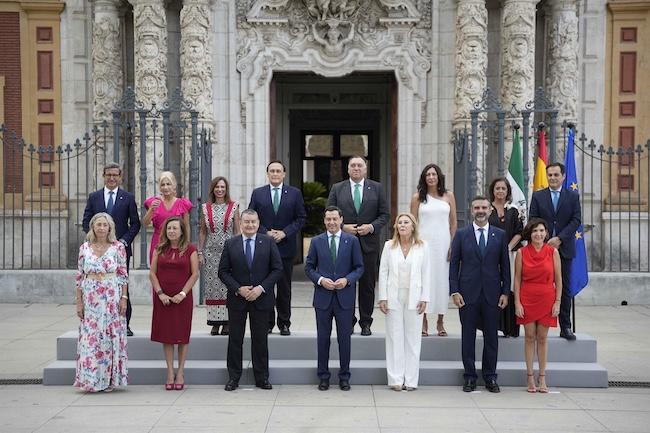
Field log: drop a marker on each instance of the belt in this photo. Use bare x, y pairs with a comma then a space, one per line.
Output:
100, 277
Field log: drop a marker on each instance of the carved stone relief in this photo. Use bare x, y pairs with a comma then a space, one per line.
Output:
195, 57
150, 26
518, 52
107, 65
471, 56
562, 75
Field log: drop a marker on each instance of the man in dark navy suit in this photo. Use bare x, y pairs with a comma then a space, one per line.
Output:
365, 211
479, 283
560, 208
250, 265
334, 264
120, 205
281, 209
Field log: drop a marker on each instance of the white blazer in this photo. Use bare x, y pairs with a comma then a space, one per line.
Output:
420, 284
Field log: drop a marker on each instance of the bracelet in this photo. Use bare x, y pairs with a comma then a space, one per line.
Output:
184, 294
124, 297
159, 292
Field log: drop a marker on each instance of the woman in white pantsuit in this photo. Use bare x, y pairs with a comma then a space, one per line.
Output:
404, 281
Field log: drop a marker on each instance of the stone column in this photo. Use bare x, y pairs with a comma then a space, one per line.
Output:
107, 73
471, 74
150, 58
562, 59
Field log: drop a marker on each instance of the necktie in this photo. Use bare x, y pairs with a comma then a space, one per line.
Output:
481, 241
357, 197
555, 197
111, 202
333, 248
249, 253
276, 199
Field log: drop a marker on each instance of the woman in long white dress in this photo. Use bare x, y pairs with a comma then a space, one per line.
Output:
435, 208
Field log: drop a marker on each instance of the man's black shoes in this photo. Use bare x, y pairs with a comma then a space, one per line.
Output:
324, 385
231, 385
469, 385
567, 334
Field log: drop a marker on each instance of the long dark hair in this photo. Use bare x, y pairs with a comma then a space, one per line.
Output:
213, 184
422, 183
164, 243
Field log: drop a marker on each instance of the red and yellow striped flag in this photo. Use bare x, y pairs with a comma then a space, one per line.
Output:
540, 181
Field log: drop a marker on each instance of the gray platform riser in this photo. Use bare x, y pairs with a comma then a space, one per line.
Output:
363, 373
303, 346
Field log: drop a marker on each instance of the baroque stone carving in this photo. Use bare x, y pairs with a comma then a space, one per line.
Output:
107, 73
334, 37
518, 52
150, 25
471, 56
195, 58
562, 75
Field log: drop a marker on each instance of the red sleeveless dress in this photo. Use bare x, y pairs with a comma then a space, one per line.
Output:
537, 293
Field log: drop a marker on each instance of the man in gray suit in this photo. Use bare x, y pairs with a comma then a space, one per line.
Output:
365, 213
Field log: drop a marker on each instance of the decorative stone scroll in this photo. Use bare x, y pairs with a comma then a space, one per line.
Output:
471, 57
518, 52
562, 55
107, 74
195, 58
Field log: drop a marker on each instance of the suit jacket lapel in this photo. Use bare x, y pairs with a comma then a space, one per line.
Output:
347, 196
561, 200
367, 189
472, 237
549, 199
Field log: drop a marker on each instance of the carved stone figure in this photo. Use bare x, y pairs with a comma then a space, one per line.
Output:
107, 65
334, 41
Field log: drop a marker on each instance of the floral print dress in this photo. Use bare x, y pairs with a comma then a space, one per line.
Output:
101, 347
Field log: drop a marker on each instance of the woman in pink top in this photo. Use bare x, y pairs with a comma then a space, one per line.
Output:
167, 205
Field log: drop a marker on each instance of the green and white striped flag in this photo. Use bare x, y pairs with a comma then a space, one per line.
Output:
516, 175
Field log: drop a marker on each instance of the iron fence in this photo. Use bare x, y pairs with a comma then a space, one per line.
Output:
45, 188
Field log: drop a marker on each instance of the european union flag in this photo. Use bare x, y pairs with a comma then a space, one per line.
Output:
579, 271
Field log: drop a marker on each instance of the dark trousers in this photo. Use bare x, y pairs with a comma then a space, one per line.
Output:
367, 289
259, 342
565, 304
283, 296
473, 316
129, 309
343, 319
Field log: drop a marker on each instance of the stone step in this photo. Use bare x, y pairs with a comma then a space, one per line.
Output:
302, 346
364, 372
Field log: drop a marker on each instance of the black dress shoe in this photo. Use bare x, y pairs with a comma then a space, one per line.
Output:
231, 385
214, 330
365, 330
469, 385
270, 330
129, 333
568, 334
264, 384
492, 385
344, 385
284, 330
324, 385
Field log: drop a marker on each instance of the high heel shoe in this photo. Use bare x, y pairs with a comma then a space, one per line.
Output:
170, 386
542, 389
425, 326
179, 386
531, 388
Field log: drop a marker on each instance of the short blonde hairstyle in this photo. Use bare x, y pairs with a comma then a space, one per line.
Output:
415, 237
169, 176
91, 237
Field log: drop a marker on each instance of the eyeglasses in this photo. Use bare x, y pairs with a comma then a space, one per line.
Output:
111, 175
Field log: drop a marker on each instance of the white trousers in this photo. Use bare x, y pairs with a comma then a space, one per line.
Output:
403, 343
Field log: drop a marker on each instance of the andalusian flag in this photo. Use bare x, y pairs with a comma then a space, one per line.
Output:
540, 181
516, 174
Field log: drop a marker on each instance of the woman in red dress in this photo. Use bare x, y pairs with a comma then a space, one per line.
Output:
538, 290
174, 270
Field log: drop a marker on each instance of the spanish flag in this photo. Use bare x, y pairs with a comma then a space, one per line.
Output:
540, 181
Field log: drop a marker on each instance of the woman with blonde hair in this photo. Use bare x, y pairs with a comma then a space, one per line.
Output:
404, 281
101, 306
166, 205
174, 270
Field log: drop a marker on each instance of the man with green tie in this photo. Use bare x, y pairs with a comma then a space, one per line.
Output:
365, 213
281, 210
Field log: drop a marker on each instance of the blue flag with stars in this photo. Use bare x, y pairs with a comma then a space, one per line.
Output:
579, 271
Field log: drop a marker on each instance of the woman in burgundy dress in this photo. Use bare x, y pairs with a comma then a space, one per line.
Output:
174, 270
538, 290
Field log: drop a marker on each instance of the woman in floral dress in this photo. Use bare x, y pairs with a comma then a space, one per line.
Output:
219, 222
101, 306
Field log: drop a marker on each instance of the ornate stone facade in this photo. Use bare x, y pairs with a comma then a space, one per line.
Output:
518, 52
471, 57
196, 57
562, 76
107, 74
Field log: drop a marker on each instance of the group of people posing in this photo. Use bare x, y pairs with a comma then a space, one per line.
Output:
247, 261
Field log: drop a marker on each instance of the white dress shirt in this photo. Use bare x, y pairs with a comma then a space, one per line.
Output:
477, 233
106, 196
361, 183
279, 192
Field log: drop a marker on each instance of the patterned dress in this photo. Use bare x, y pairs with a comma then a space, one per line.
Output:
216, 291
101, 347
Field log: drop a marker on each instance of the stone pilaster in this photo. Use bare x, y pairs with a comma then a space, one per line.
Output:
107, 73
517, 52
471, 57
562, 59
